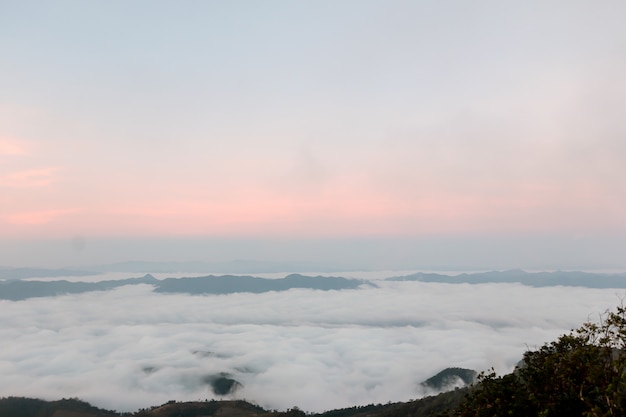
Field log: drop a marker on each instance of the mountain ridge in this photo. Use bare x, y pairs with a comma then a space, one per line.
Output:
17, 290
534, 279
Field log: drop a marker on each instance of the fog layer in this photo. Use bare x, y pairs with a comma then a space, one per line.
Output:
130, 347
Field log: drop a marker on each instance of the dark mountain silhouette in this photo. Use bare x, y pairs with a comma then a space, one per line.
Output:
226, 284
29, 407
21, 290
449, 378
534, 279
222, 383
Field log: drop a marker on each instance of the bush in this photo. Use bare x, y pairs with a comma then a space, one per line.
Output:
583, 373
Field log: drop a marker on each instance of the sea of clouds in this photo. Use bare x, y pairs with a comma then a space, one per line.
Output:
131, 348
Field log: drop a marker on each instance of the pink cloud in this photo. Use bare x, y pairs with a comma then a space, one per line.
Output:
347, 207
38, 217
29, 178
12, 147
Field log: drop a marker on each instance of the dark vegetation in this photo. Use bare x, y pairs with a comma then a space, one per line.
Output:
583, 373
31, 407
222, 383
27, 407
450, 377
206, 408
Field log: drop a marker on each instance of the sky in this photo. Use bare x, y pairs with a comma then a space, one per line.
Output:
370, 133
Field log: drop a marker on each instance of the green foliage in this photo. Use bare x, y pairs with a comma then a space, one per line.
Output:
583, 373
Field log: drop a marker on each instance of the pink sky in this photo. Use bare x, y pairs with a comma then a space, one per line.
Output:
403, 120
49, 200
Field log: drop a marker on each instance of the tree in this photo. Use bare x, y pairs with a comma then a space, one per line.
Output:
583, 373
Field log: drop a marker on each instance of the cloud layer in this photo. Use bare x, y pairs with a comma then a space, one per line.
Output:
131, 348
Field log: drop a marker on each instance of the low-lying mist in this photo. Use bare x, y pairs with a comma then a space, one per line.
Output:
130, 347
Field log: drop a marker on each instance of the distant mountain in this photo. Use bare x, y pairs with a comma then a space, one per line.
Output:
21, 290
24, 273
450, 378
222, 383
534, 279
226, 284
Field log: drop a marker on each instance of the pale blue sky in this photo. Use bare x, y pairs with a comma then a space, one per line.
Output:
296, 121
